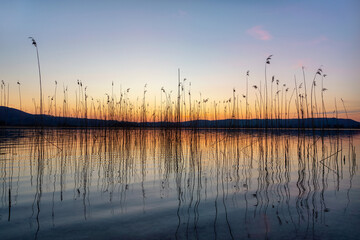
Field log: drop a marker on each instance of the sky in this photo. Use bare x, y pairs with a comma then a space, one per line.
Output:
214, 43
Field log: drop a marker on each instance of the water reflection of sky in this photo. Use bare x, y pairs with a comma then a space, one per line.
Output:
157, 184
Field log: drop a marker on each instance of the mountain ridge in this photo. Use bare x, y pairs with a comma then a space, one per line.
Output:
13, 117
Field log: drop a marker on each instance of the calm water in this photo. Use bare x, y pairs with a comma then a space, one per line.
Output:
154, 184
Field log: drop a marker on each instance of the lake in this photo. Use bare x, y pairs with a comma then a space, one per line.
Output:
179, 184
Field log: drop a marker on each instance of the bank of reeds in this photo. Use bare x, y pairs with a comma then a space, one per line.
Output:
271, 108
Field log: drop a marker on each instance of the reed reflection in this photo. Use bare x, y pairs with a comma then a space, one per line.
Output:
185, 184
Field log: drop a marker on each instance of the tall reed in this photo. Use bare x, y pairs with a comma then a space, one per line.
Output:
18, 83
266, 92
38, 62
247, 96
55, 98
2, 90
306, 100
344, 108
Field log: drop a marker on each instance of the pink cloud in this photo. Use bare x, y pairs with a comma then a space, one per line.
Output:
259, 33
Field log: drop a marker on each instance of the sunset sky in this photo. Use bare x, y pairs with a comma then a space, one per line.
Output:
214, 43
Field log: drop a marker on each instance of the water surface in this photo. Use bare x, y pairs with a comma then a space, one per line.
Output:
168, 184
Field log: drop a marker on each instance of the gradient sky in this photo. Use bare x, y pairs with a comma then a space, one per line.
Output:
213, 43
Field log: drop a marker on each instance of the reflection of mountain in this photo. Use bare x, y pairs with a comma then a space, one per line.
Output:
14, 117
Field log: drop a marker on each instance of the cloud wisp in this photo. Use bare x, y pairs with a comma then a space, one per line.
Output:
258, 32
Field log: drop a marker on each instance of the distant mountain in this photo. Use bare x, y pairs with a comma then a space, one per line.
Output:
276, 123
14, 117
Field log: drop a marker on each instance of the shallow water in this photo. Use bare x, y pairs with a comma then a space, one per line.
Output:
157, 184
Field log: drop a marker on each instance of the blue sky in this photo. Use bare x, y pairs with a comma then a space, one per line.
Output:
213, 43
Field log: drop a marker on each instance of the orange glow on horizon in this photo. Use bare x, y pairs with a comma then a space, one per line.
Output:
159, 113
